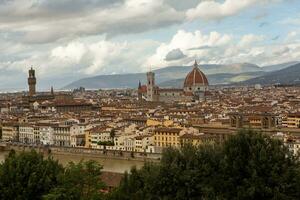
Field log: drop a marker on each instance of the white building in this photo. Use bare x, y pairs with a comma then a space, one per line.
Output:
62, 135
46, 133
76, 131
143, 143
26, 134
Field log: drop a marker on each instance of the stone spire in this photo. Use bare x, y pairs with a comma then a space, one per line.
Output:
195, 64
52, 91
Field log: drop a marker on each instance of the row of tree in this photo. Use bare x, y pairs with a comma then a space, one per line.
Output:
30, 176
249, 165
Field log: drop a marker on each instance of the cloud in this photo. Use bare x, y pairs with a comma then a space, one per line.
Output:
185, 41
224, 49
249, 39
48, 21
71, 39
182, 5
217, 10
292, 36
44, 21
77, 59
175, 54
201, 47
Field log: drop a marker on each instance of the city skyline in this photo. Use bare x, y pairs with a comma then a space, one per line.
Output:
66, 41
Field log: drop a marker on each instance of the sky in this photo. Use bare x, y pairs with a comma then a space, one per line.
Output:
65, 40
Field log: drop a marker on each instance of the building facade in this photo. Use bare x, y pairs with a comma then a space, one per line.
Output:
195, 88
32, 82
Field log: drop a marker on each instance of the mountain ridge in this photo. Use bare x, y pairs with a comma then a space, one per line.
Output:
239, 71
286, 76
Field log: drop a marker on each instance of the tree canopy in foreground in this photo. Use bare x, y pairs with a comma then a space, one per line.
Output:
249, 165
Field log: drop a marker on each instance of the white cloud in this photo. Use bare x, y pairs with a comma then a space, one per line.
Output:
217, 48
185, 41
217, 10
291, 36
42, 22
80, 58
73, 52
249, 39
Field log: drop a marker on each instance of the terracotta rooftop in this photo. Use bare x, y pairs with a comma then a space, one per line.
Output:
195, 77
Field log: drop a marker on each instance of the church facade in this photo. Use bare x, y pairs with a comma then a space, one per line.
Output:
195, 87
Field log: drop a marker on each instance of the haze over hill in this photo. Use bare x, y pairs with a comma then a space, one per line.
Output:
173, 76
289, 75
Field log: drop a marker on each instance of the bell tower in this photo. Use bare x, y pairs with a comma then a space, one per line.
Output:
31, 82
150, 86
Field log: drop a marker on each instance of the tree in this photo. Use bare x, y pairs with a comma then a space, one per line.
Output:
27, 175
249, 165
186, 173
79, 181
255, 166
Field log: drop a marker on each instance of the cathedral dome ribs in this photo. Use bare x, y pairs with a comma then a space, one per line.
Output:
195, 78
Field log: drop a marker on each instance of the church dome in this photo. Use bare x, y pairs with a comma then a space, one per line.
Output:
195, 78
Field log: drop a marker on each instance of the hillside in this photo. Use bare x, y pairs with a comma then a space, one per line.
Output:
161, 75
215, 79
277, 67
289, 75
173, 76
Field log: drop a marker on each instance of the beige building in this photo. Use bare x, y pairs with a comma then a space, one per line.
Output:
164, 137
291, 121
100, 134
10, 132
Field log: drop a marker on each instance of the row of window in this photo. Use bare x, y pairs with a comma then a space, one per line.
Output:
165, 138
162, 144
164, 133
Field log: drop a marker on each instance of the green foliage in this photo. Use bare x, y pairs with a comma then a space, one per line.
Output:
78, 182
30, 176
258, 167
106, 143
248, 165
27, 176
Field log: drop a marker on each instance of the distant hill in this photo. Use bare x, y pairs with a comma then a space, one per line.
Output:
289, 75
216, 79
245, 73
277, 67
161, 75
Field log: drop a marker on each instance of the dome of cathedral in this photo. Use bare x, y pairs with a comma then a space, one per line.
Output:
195, 78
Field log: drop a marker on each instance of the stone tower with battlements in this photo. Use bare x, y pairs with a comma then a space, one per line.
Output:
31, 82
